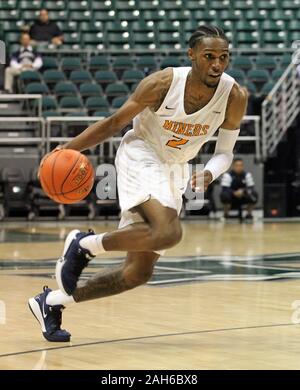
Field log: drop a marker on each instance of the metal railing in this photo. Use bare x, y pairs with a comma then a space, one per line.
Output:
24, 96
114, 142
279, 110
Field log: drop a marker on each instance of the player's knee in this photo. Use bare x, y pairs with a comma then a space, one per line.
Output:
166, 237
136, 277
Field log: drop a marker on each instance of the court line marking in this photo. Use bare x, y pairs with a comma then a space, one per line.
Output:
144, 338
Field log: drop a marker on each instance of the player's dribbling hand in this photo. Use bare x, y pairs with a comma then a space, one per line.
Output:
58, 147
201, 181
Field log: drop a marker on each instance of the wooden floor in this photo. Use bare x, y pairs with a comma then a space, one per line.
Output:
222, 299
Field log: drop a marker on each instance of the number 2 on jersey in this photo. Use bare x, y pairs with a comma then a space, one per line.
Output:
177, 142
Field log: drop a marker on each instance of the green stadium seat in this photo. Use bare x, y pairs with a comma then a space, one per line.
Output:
29, 15
258, 76
12, 25
293, 25
273, 38
251, 87
277, 73
180, 15
116, 89
8, 5
118, 41
244, 25
105, 77
36, 87
52, 76
173, 5
267, 5
12, 37
67, 88
144, 39
49, 113
105, 114
96, 104
247, 37
189, 26
271, 25
229, 15
31, 5
204, 16
80, 16
167, 26
169, 39
265, 62
78, 5
93, 39
147, 5
91, 27
104, 16
124, 5
77, 113
141, 26
121, 64
266, 88
28, 76
49, 103
49, 63
130, 77
243, 5
289, 4
89, 89
68, 103
294, 35
279, 14
242, 62
116, 27
72, 38
286, 59
170, 61
9, 14
118, 102
154, 15
146, 64
70, 63
51, 5
237, 74
98, 63
253, 14
129, 15
80, 76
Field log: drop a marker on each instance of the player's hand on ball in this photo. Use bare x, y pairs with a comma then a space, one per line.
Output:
58, 147
200, 181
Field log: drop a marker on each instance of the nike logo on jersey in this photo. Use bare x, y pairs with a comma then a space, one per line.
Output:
217, 112
170, 108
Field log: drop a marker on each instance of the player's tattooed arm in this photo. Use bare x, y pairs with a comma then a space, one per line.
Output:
150, 92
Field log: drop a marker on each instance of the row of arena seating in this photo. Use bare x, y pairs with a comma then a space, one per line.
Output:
102, 84
157, 24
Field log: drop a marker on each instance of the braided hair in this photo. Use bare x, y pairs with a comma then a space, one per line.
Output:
207, 31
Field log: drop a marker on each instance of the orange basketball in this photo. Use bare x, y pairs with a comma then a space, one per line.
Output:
66, 176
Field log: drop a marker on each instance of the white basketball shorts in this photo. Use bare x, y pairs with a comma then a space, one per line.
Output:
142, 175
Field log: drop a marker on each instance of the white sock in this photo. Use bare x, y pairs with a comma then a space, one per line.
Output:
93, 244
57, 297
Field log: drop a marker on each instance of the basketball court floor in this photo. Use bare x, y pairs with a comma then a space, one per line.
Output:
224, 298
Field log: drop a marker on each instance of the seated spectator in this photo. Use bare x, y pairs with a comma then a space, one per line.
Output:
26, 58
238, 189
45, 30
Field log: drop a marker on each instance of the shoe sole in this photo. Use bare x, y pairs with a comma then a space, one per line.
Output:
36, 311
61, 261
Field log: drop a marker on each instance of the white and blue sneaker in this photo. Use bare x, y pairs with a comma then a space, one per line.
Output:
74, 259
49, 317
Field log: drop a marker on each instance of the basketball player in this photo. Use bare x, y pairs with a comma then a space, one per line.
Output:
174, 112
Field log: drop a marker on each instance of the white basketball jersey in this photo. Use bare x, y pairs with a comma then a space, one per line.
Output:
174, 135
